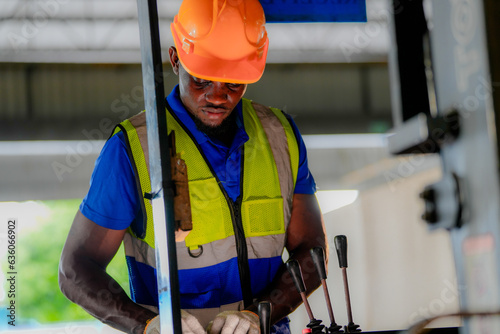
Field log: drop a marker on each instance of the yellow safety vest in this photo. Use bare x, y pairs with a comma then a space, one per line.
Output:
270, 164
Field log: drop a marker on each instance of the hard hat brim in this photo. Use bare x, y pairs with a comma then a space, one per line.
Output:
243, 71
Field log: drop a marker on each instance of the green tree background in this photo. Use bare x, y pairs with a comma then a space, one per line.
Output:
38, 298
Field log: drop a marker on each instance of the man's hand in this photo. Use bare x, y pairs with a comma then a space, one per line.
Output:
190, 325
237, 322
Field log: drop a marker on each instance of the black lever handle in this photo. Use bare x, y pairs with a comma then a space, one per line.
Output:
318, 256
341, 247
293, 267
294, 270
264, 310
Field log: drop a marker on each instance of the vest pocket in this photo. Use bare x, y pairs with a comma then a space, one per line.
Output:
206, 209
263, 217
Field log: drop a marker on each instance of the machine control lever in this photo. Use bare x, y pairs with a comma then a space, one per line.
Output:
264, 310
318, 256
293, 267
341, 247
294, 270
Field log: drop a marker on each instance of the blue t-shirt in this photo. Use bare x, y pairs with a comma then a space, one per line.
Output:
113, 200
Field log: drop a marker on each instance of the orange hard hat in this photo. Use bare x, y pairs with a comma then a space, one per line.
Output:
221, 40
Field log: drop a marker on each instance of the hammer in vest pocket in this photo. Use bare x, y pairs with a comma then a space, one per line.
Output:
182, 203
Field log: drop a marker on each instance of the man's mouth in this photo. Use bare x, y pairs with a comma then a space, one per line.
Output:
214, 112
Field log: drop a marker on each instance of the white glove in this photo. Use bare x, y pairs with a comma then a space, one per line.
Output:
237, 322
153, 326
190, 325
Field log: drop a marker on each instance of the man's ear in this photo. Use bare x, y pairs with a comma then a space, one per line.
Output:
174, 59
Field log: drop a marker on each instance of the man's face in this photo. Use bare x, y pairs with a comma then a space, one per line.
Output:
209, 101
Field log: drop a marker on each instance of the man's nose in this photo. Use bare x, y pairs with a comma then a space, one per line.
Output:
217, 93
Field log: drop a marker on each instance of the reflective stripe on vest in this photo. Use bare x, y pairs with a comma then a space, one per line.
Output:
270, 162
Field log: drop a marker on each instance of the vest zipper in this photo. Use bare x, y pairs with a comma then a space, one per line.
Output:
241, 243
235, 211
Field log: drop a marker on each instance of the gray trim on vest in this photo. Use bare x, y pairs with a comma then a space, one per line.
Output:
213, 253
278, 142
139, 249
223, 250
205, 315
139, 123
258, 247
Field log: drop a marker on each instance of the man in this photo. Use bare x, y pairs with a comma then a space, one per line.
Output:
250, 188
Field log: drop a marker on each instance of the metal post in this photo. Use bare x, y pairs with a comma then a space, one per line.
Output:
159, 162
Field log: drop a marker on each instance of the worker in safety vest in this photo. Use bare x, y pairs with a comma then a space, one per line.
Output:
251, 192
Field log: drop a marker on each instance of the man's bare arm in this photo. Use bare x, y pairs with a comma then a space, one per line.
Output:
305, 231
83, 279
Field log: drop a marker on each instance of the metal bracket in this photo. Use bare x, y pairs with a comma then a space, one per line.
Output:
445, 203
425, 134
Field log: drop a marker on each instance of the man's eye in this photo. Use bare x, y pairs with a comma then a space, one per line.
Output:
201, 82
233, 85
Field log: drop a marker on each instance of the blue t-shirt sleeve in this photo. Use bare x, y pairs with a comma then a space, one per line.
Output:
305, 183
112, 200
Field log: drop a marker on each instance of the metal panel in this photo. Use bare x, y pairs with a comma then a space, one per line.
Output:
13, 92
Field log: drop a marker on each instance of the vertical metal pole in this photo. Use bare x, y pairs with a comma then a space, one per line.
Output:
159, 168
409, 94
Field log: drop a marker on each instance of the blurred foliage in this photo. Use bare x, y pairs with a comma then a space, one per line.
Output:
39, 298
